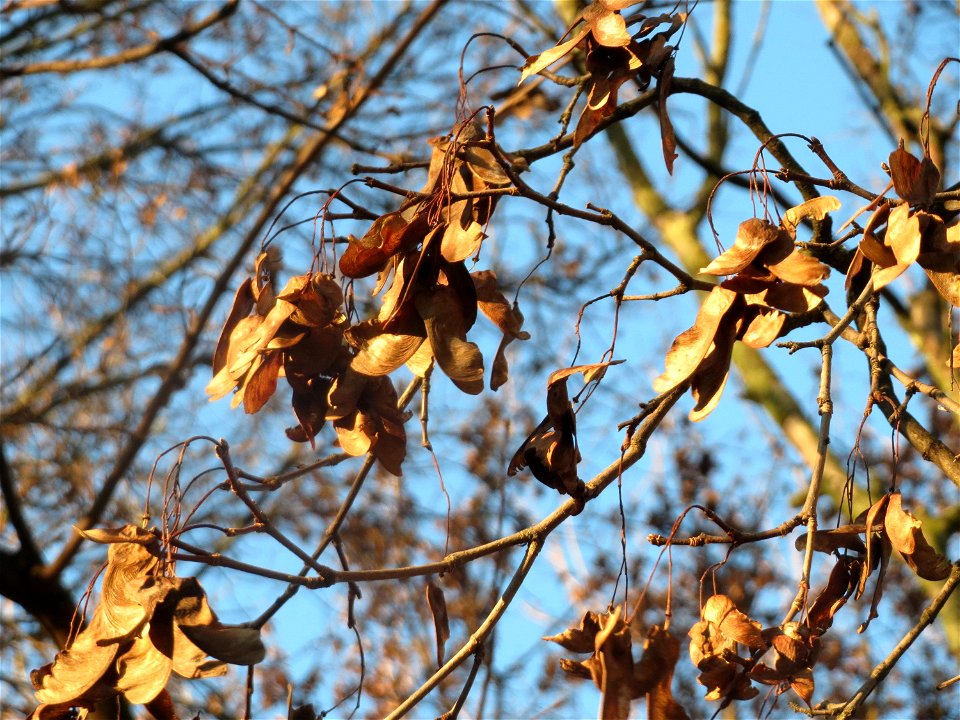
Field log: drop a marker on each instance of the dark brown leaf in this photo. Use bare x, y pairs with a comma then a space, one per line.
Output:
916, 181
441, 624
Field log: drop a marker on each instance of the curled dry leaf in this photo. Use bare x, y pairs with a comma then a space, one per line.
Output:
145, 626
788, 661
691, 346
550, 451
906, 535
878, 555
505, 315
840, 586
601, 19
846, 537
753, 236
368, 254
916, 181
814, 209
710, 377
441, 623
366, 418
668, 139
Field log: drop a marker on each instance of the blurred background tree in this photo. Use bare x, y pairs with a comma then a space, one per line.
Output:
150, 149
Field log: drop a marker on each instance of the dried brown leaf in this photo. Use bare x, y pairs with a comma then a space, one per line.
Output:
260, 382
653, 675
691, 346
242, 305
441, 624
234, 644
840, 586
355, 433
445, 324
591, 372
906, 534
721, 611
710, 377
753, 236
383, 352
462, 235
763, 329
668, 140
830, 541
916, 181
800, 269
367, 255
815, 208
579, 639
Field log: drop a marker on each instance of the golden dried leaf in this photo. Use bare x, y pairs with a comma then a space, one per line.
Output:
317, 299
591, 372
940, 258
143, 671
384, 352
753, 236
815, 208
242, 305
344, 393
536, 63
763, 329
462, 235
788, 297
422, 360
710, 377
721, 611
800, 269
902, 237
906, 535
135, 638
691, 346
355, 433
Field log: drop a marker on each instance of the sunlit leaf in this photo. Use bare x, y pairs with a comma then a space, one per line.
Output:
906, 535
691, 346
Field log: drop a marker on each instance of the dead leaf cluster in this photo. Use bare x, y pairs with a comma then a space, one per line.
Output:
770, 278
886, 526
782, 657
614, 55
419, 252
146, 626
606, 636
895, 237
429, 301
